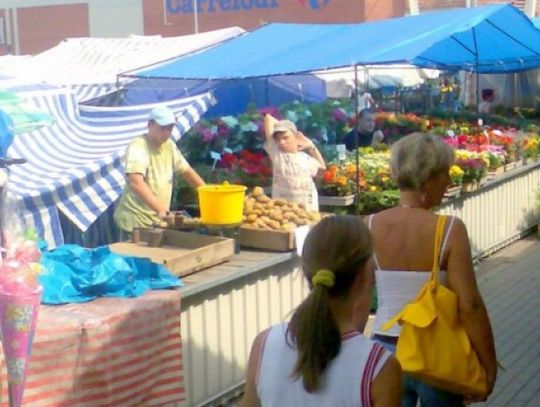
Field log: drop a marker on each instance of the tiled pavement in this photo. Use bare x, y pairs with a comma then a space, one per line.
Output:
510, 284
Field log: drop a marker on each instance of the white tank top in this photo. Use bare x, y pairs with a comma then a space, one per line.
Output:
346, 381
396, 288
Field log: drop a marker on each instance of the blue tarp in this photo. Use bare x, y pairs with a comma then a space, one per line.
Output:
491, 39
233, 96
536, 22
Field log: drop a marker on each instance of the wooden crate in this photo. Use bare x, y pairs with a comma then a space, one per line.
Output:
182, 253
273, 240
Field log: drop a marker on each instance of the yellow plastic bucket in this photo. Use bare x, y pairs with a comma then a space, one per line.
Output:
221, 204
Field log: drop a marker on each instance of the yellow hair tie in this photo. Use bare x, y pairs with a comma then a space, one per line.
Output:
324, 277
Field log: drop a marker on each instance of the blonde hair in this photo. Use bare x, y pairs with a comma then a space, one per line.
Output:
418, 157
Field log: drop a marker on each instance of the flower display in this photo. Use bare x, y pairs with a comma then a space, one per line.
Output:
473, 164
247, 168
456, 175
238, 141
336, 180
531, 146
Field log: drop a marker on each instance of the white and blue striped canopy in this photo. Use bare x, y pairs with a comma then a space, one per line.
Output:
75, 165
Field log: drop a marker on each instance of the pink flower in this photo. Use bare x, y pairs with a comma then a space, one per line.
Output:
339, 115
207, 135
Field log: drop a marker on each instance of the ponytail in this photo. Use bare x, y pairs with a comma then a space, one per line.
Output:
335, 252
315, 333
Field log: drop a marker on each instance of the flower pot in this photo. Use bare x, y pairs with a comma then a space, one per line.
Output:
510, 166
346, 200
482, 182
518, 163
453, 191
469, 187
496, 171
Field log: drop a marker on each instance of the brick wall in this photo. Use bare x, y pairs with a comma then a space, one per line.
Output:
436, 4
41, 28
178, 20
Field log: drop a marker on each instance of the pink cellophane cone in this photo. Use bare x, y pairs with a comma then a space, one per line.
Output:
18, 316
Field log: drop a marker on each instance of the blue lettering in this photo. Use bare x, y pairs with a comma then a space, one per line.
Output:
173, 6
225, 4
247, 6
211, 7
188, 6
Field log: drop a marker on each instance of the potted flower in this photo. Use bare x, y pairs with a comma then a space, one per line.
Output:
456, 181
335, 185
494, 156
474, 168
530, 147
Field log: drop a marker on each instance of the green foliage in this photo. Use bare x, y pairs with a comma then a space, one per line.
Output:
376, 201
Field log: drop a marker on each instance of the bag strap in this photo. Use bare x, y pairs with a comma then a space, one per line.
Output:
439, 232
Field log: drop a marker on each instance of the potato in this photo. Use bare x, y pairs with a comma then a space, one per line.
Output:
251, 218
257, 191
256, 212
258, 205
314, 216
263, 199
289, 215
288, 227
280, 202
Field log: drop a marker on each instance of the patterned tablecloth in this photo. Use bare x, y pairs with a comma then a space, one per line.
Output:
108, 352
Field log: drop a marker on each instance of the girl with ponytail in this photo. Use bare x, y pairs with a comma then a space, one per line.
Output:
320, 358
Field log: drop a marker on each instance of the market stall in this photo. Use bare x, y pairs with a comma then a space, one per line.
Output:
225, 306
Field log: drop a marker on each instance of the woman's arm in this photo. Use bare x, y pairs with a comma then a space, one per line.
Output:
386, 387
305, 144
269, 123
472, 311
251, 399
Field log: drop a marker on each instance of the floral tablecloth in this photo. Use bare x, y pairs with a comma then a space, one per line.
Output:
108, 352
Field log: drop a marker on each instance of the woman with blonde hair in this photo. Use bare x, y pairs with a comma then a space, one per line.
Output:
403, 255
319, 358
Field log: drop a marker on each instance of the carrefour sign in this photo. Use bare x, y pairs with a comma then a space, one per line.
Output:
212, 6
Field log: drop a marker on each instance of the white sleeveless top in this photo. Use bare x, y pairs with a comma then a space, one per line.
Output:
346, 381
396, 288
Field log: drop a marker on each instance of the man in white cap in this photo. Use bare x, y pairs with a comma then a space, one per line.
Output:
151, 162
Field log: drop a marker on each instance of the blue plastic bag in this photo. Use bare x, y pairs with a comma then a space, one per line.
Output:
76, 274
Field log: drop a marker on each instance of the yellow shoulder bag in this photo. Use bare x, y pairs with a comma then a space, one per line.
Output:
433, 345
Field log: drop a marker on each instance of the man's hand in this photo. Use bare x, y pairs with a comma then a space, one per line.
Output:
378, 137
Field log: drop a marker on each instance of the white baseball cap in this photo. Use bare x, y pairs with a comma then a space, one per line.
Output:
163, 116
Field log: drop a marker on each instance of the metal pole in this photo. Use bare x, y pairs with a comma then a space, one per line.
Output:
356, 142
477, 77
196, 15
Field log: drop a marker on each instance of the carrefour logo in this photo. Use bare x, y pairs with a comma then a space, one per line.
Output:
314, 4
212, 6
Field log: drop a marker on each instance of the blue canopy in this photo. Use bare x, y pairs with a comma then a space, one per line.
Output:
536, 22
488, 39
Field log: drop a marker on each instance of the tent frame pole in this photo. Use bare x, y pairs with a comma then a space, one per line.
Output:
356, 142
477, 77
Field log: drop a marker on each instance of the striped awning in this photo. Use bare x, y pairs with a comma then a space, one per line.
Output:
75, 166
90, 66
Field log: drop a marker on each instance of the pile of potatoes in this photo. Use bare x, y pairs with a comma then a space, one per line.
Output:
262, 212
